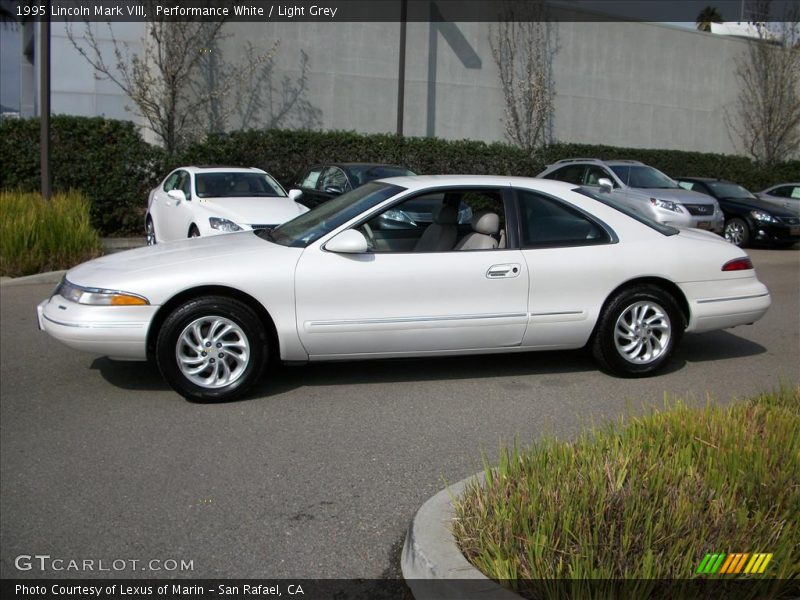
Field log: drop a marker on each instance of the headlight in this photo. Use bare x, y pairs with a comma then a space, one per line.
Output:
98, 296
223, 224
667, 204
761, 216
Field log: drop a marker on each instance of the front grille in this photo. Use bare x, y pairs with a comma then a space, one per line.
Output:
700, 209
788, 220
260, 226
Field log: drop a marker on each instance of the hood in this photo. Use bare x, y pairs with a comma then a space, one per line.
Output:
185, 263
777, 208
252, 210
677, 195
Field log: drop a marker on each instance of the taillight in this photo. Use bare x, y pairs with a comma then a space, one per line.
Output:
738, 264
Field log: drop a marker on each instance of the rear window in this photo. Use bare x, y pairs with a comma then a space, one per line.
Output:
610, 202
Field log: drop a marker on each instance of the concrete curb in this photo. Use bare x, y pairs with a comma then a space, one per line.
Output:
52, 277
430, 553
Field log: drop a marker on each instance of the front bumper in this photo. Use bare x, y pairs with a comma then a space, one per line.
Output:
116, 331
775, 233
715, 222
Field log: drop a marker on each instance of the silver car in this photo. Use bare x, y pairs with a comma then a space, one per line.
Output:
787, 194
643, 189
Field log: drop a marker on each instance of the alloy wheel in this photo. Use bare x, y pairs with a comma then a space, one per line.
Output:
642, 332
212, 352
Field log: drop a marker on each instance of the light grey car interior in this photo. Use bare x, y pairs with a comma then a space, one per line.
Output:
485, 225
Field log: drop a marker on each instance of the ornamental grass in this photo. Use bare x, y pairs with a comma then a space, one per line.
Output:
644, 501
38, 236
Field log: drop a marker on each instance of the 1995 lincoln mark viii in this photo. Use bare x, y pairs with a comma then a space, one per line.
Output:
390, 270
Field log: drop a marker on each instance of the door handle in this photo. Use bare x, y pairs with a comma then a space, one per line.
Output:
506, 271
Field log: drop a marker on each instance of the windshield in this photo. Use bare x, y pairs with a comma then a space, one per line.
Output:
729, 190
237, 185
324, 218
610, 200
361, 174
643, 177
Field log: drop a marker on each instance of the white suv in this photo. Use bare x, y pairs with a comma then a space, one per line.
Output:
643, 189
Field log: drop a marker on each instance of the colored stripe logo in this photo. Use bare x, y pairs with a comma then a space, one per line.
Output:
734, 564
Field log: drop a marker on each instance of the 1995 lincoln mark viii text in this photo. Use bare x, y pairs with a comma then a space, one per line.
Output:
390, 270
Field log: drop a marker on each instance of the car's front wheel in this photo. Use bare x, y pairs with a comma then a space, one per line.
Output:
637, 331
212, 349
737, 232
150, 232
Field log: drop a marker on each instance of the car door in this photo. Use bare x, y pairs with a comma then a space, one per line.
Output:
160, 207
176, 215
570, 257
406, 302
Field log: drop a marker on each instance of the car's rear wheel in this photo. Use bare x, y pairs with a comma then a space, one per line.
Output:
150, 232
737, 232
212, 349
194, 231
637, 331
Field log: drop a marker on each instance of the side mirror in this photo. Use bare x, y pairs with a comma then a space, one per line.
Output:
295, 195
606, 185
177, 195
348, 242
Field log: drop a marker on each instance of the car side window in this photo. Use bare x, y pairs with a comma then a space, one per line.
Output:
333, 181
594, 174
442, 221
171, 182
311, 178
570, 174
687, 185
786, 191
185, 184
546, 222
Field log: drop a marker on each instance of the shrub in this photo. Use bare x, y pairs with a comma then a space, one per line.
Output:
37, 236
106, 160
644, 501
115, 168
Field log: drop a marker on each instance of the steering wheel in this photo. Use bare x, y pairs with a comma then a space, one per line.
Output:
367, 231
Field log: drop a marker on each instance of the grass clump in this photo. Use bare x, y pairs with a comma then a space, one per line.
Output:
38, 236
645, 500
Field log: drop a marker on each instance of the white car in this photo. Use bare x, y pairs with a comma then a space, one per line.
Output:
200, 201
543, 265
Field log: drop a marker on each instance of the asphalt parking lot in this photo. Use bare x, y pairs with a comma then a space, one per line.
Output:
318, 473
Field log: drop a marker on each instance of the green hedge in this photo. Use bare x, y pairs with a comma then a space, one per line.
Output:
111, 163
108, 161
286, 153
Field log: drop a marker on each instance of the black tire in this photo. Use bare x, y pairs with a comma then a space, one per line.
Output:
194, 231
150, 232
212, 315
737, 232
607, 343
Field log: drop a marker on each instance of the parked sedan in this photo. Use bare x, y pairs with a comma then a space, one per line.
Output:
783, 192
320, 183
749, 219
200, 201
543, 265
